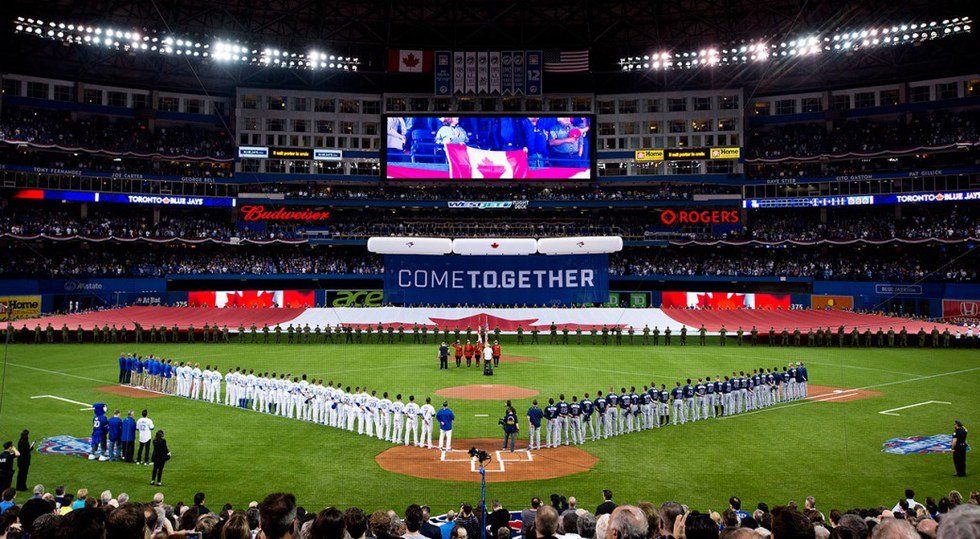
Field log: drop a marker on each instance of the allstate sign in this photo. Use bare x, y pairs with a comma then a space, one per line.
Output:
499, 280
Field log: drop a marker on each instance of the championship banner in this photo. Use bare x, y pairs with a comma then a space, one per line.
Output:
507, 72
459, 72
843, 303
513, 280
482, 73
17, 307
495, 73
519, 74
470, 73
444, 73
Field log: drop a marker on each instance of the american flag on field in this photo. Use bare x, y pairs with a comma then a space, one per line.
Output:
566, 61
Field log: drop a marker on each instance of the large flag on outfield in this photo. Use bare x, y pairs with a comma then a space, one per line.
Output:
467, 162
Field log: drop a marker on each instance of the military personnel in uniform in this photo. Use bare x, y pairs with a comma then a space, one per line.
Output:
578, 335
739, 334
683, 335
946, 338
772, 336
139, 333
81, 334
667, 336
255, 333
593, 331
702, 335
564, 334
656, 336
880, 337
391, 333
605, 335
903, 337
922, 337
265, 333
646, 334
554, 333
631, 334
618, 334
64, 333
867, 338
722, 335
534, 335
784, 337
520, 335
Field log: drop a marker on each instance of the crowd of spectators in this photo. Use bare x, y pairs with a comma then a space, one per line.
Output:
199, 170
870, 224
278, 516
844, 262
104, 133
926, 129
837, 263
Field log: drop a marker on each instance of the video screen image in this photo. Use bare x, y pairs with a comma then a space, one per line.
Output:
480, 147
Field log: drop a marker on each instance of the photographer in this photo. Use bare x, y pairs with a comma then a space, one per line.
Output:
510, 426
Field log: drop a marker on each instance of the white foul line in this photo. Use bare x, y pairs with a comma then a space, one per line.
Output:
889, 412
55, 397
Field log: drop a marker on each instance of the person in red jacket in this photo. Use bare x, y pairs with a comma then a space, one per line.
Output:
478, 352
458, 352
468, 352
496, 353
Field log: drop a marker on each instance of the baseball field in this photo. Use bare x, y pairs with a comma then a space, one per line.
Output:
829, 446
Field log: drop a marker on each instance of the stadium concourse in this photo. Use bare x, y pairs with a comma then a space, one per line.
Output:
507, 320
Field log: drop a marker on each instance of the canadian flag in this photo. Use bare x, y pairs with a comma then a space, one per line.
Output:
409, 61
467, 162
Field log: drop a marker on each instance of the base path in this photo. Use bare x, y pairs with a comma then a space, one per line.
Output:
504, 466
131, 392
838, 394
486, 392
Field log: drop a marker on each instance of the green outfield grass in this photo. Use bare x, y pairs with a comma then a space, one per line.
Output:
831, 450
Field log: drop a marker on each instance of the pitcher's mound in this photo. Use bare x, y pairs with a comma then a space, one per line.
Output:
486, 392
504, 466
128, 391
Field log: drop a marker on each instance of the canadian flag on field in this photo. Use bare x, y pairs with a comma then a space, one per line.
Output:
409, 61
467, 162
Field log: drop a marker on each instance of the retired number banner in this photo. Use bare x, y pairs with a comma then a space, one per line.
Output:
498, 280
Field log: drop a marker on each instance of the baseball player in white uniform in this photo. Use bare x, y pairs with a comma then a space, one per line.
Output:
384, 426
428, 412
411, 421
398, 411
196, 378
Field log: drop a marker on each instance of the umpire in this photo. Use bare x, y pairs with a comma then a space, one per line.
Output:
959, 448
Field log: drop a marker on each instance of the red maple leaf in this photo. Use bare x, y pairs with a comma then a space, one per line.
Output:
489, 169
251, 299
410, 60
478, 320
494, 245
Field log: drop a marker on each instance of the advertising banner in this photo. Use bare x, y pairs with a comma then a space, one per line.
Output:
501, 280
724, 300
961, 310
354, 298
251, 298
844, 303
18, 307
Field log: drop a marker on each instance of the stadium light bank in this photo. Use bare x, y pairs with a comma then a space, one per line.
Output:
217, 50
773, 50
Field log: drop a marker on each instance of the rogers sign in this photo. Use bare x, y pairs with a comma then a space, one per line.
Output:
260, 213
699, 217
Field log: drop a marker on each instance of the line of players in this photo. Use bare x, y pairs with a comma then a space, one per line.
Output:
295, 397
630, 411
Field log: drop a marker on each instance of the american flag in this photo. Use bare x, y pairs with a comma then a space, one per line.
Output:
566, 61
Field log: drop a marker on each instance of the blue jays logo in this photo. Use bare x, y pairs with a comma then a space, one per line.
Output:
919, 445
65, 445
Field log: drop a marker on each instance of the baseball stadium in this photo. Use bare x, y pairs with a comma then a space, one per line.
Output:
736, 297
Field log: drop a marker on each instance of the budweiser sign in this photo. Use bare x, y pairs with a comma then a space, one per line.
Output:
260, 213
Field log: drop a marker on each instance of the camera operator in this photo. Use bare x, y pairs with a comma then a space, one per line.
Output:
510, 426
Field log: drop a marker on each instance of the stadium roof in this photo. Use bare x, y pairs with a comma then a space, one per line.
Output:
367, 29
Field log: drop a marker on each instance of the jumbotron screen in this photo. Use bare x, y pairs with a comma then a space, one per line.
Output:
488, 147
